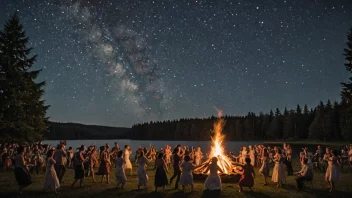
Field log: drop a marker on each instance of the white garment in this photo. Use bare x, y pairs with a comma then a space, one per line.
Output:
213, 181
50, 180
243, 156
252, 157
142, 172
186, 175
120, 172
128, 163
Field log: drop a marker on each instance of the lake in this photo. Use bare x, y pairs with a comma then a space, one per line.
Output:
232, 146
204, 145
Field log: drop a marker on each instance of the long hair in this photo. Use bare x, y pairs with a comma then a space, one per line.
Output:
176, 150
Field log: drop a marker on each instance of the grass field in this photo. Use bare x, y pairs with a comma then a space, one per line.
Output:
8, 187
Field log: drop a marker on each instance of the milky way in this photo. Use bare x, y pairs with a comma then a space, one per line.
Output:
118, 62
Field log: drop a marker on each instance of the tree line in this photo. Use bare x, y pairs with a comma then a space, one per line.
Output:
322, 123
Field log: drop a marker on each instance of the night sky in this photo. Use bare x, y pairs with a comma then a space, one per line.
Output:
122, 62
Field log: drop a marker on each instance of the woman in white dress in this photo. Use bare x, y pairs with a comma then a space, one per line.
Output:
198, 156
142, 172
251, 155
51, 180
120, 171
332, 174
186, 175
128, 152
243, 155
278, 175
213, 181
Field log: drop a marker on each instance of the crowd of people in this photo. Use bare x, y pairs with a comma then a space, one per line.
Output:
53, 161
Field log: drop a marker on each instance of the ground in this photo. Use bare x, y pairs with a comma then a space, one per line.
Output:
8, 187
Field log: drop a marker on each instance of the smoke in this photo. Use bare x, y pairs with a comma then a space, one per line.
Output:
126, 57
219, 112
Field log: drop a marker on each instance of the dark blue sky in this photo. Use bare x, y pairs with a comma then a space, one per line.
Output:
118, 62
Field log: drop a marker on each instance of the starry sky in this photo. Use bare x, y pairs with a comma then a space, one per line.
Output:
119, 62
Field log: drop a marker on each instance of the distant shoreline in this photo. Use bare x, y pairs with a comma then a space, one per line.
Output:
298, 142
312, 142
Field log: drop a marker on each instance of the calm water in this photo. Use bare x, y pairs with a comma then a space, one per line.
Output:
232, 146
204, 145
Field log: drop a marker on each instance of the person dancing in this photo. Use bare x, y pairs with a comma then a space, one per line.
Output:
22, 175
176, 165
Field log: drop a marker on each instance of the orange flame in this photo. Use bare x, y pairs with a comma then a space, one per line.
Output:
217, 148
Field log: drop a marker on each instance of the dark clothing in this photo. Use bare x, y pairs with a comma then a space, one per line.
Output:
59, 155
289, 167
23, 178
306, 174
160, 177
247, 179
177, 173
79, 171
60, 171
79, 168
177, 170
176, 159
300, 180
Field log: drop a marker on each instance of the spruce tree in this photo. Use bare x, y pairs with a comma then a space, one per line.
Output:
265, 126
248, 127
239, 129
328, 123
316, 127
22, 112
285, 112
346, 94
337, 118
289, 127
299, 124
275, 128
346, 124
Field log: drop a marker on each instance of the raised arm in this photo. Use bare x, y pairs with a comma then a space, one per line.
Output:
219, 169
207, 170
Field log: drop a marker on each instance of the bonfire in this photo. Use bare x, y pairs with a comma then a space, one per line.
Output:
217, 150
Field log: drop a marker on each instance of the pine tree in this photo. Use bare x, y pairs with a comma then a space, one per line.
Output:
289, 126
285, 112
316, 127
346, 94
298, 110
328, 123
271, 115
22, 112
248, 127
305, 110
299, 122
337, 129
265, 126
275, 128
239, 129
346, 124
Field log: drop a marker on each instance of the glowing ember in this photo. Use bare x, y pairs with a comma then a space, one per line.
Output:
217, 149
